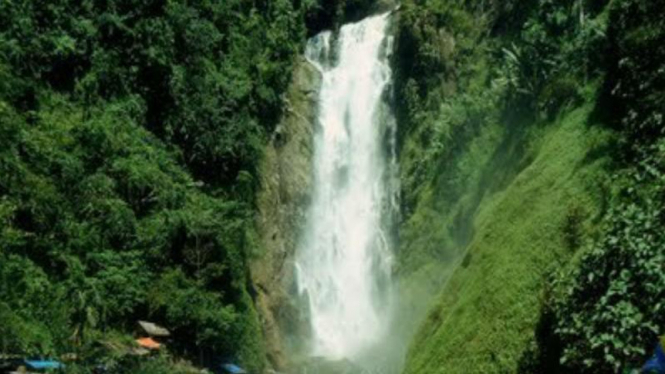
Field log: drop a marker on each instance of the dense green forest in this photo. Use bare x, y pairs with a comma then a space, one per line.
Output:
532, 151
130, 132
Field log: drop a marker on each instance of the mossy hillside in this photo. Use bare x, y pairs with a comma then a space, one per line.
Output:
447, 138
486, 315
432, 239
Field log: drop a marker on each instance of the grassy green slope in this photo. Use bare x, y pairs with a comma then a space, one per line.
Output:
486, 315
504, 159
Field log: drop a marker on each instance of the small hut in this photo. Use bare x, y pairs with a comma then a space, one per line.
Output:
148, 343
40, 366
150, 336
154, 330
232, 369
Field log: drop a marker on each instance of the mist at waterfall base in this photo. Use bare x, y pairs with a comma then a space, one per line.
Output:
344, 262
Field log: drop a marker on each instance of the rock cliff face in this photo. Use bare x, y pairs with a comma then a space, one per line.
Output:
286, 179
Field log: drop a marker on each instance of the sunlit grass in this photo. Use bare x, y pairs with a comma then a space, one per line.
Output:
485, 316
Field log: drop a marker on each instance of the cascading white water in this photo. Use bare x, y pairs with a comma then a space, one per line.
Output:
344, 259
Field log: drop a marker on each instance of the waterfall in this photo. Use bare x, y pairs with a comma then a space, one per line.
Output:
344, 259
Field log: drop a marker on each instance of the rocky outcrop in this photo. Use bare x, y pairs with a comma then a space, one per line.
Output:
286, 180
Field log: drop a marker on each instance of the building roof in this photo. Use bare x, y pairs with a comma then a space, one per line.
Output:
148, 343
43, 364
233, 369
153, 329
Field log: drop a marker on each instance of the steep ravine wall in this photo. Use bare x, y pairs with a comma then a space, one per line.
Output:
286, 179
486, 315
496, 197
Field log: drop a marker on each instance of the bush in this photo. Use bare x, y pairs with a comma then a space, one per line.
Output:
636, 82
609, 310
558, 94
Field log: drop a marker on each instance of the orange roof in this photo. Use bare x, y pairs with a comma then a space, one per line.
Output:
148, 343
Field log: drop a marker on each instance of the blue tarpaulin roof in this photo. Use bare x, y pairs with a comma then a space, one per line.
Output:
233, 369
657, 362
44, 364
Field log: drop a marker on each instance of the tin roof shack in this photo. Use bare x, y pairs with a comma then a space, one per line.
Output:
153, 330
232, 369
40, 366
151, 336
148, 343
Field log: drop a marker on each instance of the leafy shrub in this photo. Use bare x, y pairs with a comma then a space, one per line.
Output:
636, 78
572, 227
557, 94
210, 74
559, 46
611, 312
